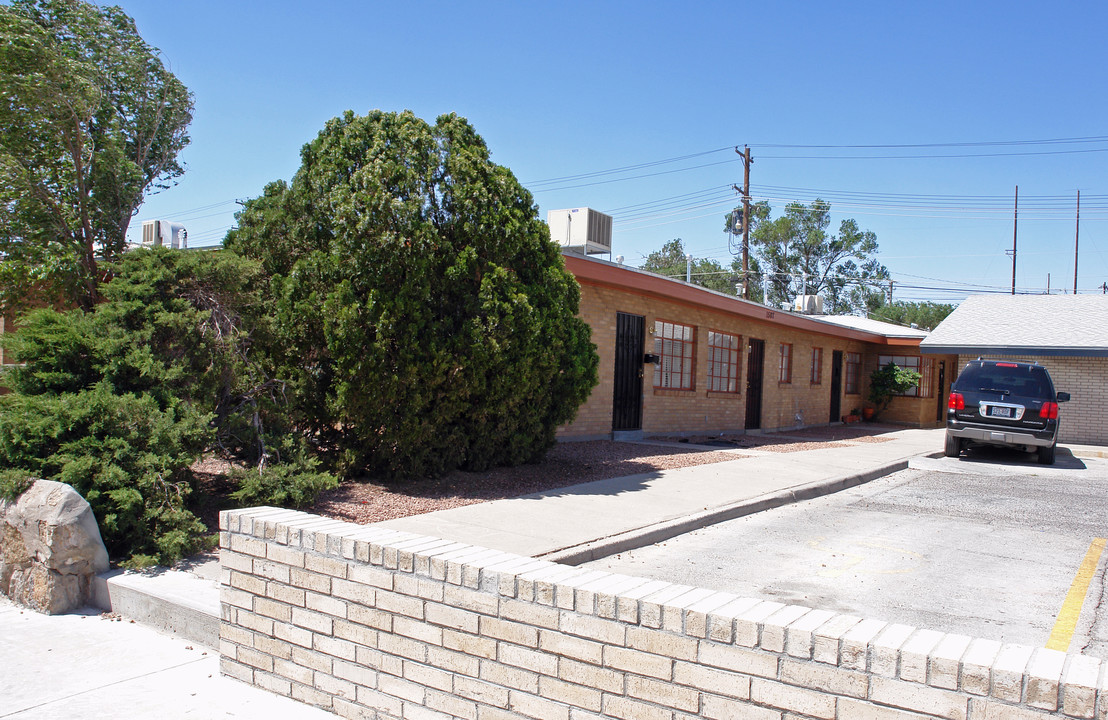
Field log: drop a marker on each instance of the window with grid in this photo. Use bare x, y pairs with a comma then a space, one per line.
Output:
723, 362
853, 373
914, 363
785, 368
817, 366
674, 345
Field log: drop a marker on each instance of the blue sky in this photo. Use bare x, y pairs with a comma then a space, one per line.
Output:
563, 90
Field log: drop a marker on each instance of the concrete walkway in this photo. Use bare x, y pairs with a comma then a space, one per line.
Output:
87, 666
596, 519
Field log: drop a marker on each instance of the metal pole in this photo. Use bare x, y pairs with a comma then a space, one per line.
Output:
1076, 240
746, 220
1015, 227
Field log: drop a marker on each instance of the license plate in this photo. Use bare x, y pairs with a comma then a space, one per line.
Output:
1003, 412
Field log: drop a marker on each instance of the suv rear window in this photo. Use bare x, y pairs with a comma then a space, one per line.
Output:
1022, 381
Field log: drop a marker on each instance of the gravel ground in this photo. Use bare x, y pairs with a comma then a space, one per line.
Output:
795, 440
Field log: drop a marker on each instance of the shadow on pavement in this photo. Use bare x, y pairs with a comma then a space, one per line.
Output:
1011, 457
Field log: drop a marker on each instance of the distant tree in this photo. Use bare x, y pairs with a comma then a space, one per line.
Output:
90, 121
925, 315
671, 261
800, 256
424, 319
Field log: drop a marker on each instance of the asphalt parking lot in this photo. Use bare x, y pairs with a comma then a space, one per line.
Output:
989, 545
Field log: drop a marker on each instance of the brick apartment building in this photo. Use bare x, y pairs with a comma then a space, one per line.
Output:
678, 359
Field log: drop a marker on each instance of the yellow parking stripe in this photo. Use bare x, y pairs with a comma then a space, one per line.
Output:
1066, 623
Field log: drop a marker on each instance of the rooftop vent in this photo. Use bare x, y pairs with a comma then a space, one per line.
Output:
808, 304
156, 233
581, 228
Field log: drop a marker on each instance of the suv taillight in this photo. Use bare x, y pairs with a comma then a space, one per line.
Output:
957, 401
1049, 411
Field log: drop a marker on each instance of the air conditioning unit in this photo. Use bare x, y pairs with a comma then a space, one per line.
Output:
156, 233
581, 228
808, 304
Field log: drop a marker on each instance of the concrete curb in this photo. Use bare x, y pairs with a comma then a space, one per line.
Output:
171, 601
657, 532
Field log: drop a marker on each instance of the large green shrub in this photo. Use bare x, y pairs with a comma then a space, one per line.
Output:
119, 402
127, 455
425, 318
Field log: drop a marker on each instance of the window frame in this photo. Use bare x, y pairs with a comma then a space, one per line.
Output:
922, 389
815, 377
663, 379
733, 366
852, 373
785, 364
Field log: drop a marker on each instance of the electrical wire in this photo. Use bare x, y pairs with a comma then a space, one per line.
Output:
992, 143
626, 168
538, 185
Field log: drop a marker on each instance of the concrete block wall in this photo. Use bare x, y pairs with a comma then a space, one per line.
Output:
1086, 380
373, 623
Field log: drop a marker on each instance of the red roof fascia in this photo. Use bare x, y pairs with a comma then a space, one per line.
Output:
592, 272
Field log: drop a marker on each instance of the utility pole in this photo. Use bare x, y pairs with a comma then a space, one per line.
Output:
1076, 240
1015, 227
745, 190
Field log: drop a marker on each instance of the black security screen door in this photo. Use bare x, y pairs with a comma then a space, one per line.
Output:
755, 360
940, 394
836, 385
627, 397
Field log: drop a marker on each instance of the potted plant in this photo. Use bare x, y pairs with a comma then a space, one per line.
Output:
887, 382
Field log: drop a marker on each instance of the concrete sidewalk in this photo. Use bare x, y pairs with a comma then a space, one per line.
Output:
592, 520
88, 666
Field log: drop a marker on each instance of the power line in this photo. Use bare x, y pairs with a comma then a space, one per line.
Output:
1053, 141
933, 157
1091, 139
625, 168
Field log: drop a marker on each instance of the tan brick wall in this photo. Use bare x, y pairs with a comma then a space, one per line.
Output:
1086, 380
373, 623
784, 405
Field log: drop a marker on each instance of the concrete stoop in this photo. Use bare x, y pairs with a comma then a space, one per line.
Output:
184, 604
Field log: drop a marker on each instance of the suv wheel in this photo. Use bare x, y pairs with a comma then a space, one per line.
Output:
1046, 455
954, 446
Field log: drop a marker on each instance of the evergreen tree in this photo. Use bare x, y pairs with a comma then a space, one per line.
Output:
424, 318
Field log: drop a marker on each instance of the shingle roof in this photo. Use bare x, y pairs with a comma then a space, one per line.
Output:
1070, 325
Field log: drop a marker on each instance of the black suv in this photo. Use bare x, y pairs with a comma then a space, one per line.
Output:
1011, 404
